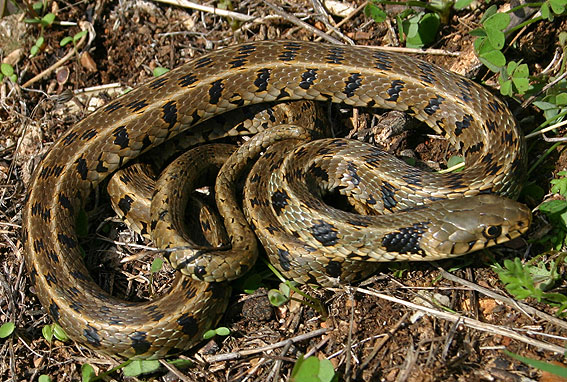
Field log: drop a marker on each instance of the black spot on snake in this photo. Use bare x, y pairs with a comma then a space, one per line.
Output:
333, 268
324, 233
66, 241
271, 229
137, 105
308, 78
154, 313
88, 135
353, 82
491, 126
140, 344
170, 113
406, 239
38, 245
388, 193
65, 203
464, 124
433, 105
335, 56
319, 173
254, 202
79, 275
284, 259
187, 80
51, 279
474, 148
262, 78
215, 92
279, 201
427, 72
121, 137
76, 306
494, 106
203, 62
53, 256
188, 324
395, 89
125, 203
383, 61
38, 210
289, 52
100, 167
465, 87
113, 107
91, 335
46, 172
82, 168
54, 311
283, 94
157, 83
352, 173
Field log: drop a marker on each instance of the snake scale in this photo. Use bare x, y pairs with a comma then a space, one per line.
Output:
476, 123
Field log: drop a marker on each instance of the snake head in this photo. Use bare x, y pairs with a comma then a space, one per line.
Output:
477, 222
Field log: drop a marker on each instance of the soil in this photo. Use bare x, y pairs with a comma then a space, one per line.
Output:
366, 337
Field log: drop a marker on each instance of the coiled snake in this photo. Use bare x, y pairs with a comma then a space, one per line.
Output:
474, 121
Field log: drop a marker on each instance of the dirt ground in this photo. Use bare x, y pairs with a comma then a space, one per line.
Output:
366, 336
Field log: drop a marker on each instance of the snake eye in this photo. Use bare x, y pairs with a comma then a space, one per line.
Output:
492, 231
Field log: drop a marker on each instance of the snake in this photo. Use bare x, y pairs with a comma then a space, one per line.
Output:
475, 122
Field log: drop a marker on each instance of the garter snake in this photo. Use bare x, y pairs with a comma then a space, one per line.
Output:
476, 123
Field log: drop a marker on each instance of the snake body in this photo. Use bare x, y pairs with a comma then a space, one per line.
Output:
474, 121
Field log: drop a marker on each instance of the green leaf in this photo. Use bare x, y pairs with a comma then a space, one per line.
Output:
496, 37
160, 71
252, 283
34, 50
454, 161
47, 332
209, 334
39, 42
541, 365
6, 69
59, 333
79, 35
222, 331
558, 6
553, 207
498, 21
48, 19
425, 31
276, 298
311, 369
87, 373
7, 329
156, 265
505, 87
138, 367
545, 13
561, 99
461, 4
374, 12
489, 13
38, 6
64, 41
44, 378
522, 84
493, 60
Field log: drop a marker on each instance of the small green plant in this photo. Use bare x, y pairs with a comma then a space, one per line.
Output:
533, 279
7, 329
220, 331
514, 77
313, 369
138, 367
7, 71
416, 27
160, 71
54, 330
74, 39
43, 22
556, 212
44, 378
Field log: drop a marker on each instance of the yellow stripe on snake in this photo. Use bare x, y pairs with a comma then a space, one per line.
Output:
476, 123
